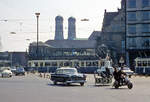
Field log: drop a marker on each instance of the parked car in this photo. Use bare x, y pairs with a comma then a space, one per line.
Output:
67, 76
13, 70
6, 73
20, 71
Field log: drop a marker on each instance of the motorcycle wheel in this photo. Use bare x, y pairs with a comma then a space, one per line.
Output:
116, 85
130, 85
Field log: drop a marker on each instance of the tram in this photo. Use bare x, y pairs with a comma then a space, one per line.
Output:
83, 66
142, 66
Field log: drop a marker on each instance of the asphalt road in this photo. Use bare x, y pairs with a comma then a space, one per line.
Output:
31, 88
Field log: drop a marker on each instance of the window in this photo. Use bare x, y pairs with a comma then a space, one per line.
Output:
54, 63
131, 16
131, 29
88, 64
132, 4
145, 15
131, 42
82, 64
145, 3
139, 63
146, 42
41, 64
145, 28
36, 64
47, 64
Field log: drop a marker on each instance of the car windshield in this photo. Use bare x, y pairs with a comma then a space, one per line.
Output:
126, 68
66, 71
20, 69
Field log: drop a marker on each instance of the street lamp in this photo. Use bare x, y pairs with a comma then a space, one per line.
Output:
37, 15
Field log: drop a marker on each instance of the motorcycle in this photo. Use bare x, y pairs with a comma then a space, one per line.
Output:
103, 78
124, 82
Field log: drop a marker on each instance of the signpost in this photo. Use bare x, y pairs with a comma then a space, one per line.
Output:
121, 61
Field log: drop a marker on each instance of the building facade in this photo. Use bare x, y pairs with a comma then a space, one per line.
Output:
138, 29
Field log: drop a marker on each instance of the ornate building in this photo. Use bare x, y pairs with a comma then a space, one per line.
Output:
113, 32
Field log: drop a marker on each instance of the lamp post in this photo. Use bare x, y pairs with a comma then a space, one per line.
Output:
37, 49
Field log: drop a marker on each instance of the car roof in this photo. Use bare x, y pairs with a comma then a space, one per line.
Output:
67, 68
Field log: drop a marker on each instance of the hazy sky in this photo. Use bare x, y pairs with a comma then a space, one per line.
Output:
22, 20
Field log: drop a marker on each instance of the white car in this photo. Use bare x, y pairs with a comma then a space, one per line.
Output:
128, 71
6, 73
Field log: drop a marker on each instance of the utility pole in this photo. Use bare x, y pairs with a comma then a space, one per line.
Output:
37, 49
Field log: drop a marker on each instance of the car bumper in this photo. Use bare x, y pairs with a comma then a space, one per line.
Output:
76, 81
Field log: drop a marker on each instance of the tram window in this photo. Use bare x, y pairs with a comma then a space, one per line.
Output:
41, 64
36, 64
47, 64
144, 63
148, 63
29, 64
66, 64
95, 63
61, 64
76, 64
139, 63
82, 64
70, 63
88, 64
54, 63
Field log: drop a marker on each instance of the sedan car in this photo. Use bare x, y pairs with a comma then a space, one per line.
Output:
68, 76
20, 71
6, 73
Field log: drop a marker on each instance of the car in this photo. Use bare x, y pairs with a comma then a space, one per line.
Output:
6, 73
128, 71
13, 70
67, 76
20, 71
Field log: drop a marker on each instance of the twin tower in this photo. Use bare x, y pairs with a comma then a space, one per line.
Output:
59, 28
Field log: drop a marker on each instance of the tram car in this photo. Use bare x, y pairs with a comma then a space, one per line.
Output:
142, 66
83, 66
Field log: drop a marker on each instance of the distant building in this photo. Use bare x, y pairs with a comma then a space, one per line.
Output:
71, 28
63, 49
59, 28
13, 59
138, 29
18, 58
5, 59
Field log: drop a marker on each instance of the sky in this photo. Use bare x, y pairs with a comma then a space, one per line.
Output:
18, 20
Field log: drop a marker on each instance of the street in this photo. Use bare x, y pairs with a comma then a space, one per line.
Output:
31, 88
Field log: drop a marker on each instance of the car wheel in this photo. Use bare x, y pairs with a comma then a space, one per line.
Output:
116, 85
130, 85
130, 76
81, 84
67, 84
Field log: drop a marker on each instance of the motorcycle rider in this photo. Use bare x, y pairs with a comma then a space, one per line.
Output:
115, 74
121, 75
